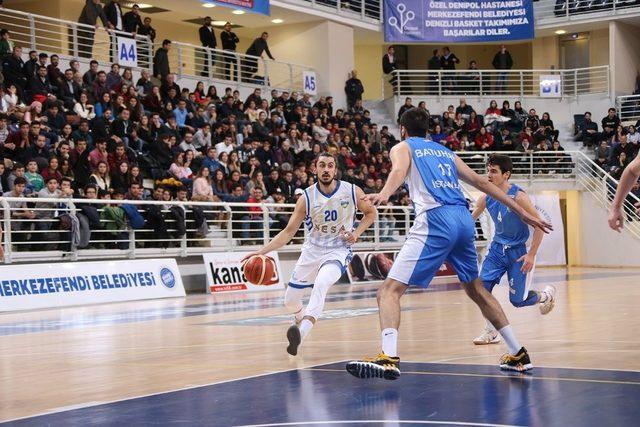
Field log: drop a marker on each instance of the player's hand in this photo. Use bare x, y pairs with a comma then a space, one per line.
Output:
531, 220
528, 261
249, 256
616, 219
376, 199
349, 237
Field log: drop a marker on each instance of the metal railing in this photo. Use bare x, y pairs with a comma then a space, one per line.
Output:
364, 10
522, 83
628, 108
38, 229
529, 166
187, 60
556, 10
40, 234
602, 186
71, 40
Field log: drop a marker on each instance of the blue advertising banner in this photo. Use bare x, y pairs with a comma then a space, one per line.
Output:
254, 6
458, 21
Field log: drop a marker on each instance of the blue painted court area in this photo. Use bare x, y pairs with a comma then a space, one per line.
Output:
427, 393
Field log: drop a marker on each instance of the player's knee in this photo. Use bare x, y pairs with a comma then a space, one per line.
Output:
474, 289
292, 301
390, 290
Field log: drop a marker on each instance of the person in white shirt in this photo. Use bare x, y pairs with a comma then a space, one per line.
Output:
202, 138
225, 146
83, 109
633, 136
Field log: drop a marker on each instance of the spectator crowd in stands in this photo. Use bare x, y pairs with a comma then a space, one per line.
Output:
462, 129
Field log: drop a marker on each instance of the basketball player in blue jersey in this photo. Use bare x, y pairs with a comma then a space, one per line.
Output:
328, 209
508, 252
443, 230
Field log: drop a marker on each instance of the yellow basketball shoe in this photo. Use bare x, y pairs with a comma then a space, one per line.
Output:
381, 366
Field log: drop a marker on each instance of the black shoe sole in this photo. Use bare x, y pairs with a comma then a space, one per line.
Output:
365, 370
294, 337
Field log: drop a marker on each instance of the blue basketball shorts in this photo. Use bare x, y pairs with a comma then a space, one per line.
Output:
503, 259
445, 233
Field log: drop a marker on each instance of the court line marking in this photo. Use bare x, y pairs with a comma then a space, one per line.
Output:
524, 376
540, 352
537, 366
142, 396
448, 423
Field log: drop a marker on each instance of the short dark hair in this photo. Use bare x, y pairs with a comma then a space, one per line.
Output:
326, 154
166, 42
51, 178
43, 55
3, 32
19, 180
503, 162
66, 179
416, 122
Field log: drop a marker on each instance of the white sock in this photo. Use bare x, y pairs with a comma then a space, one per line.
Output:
305, 327
490, 326
510, 338
390, 342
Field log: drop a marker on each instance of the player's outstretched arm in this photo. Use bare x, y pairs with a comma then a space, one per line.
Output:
285, 236
370, 213
400, 163
481, 204
529, 259
629, 177
482, 183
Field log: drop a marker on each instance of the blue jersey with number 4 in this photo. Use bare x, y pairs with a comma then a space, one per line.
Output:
433, 177
510, 230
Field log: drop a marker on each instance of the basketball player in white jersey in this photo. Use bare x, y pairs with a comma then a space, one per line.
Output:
627, 180
328, 209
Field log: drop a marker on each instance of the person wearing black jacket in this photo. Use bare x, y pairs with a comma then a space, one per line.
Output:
114, 14
40, 87
161, 61
610, 123
229, 42
89, 16
146, 30
208, 39
250, 66
389, 65
502, 61
69, 90
34, 62
353, 88
433, 64
13, 70
131, 20
115, 18
448, 61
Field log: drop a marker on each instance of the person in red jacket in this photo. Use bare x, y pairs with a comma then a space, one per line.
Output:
484, 140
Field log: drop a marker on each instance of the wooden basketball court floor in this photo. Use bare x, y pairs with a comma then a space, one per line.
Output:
220, 360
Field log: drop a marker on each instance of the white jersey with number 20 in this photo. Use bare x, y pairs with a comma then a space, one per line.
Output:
329, 215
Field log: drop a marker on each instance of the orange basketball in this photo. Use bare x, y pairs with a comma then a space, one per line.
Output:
260, 270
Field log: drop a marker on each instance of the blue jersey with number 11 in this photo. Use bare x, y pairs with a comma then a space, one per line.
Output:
433, 177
